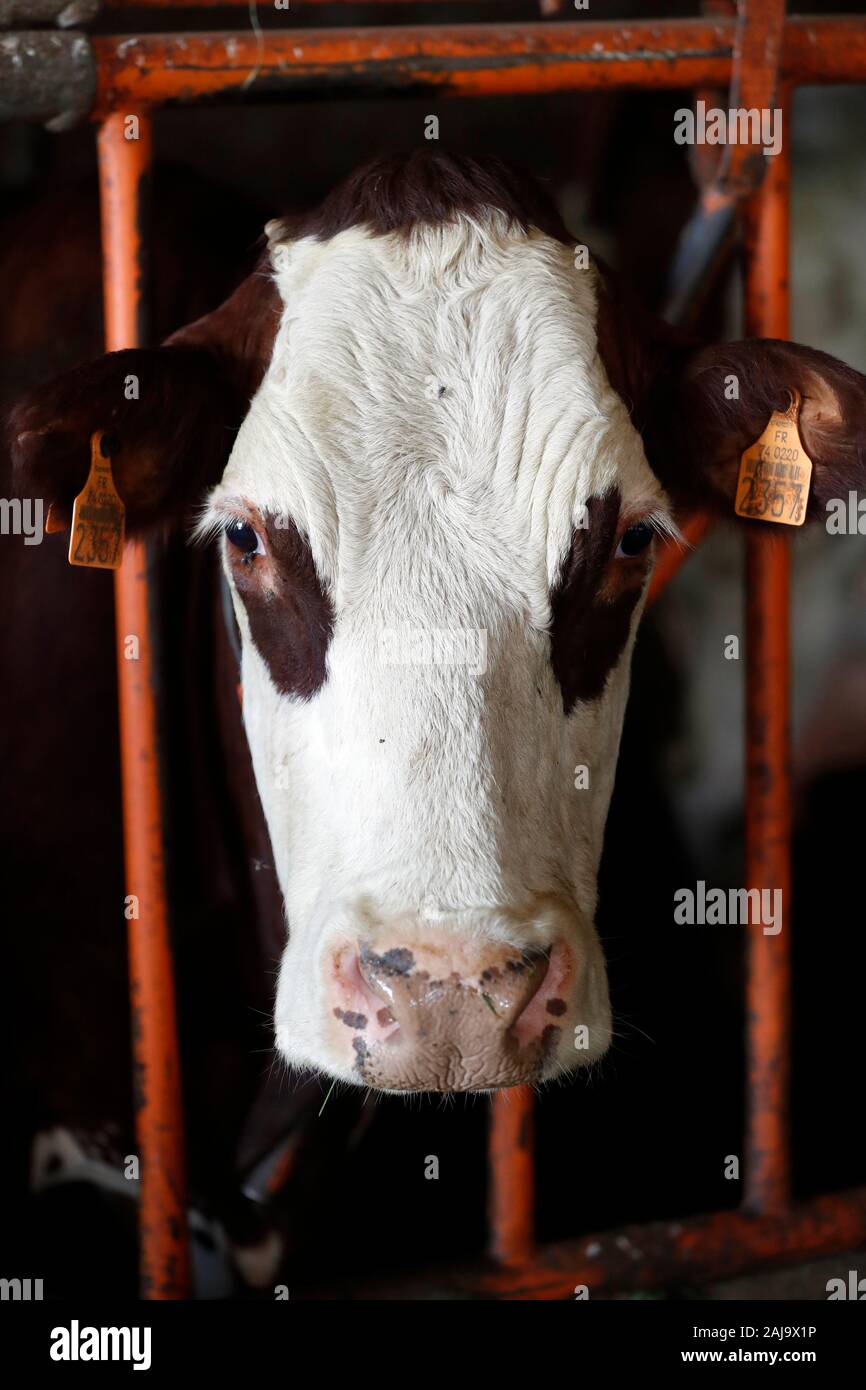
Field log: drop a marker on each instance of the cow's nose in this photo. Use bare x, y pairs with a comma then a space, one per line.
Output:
452, 1015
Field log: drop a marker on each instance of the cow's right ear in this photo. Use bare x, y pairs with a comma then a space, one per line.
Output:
171, 412
713, 403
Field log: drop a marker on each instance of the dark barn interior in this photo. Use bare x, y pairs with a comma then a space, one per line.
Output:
324, 1187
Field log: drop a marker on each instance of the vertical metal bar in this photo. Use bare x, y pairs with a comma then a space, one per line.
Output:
511, 1204
124, 166
768, 786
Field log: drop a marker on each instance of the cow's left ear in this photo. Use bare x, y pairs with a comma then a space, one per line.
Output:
707, 405
171, 413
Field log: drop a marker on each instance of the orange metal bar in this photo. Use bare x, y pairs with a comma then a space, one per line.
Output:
124, 166
754, 84
669, 1254
768, 780
460, 59
511, 1203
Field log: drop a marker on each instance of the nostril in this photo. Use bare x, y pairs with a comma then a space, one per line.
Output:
549, 1000
509, 987
360, 1004
380, 971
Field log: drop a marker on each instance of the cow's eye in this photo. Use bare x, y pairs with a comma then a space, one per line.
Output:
243, 538
635, 540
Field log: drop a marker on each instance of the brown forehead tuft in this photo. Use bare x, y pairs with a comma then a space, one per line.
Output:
430, 188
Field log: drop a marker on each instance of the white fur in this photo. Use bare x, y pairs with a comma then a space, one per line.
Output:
430, 793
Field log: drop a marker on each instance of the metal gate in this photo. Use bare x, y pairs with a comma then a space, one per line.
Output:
763, 56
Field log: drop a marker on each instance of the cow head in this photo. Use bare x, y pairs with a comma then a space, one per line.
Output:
437, 452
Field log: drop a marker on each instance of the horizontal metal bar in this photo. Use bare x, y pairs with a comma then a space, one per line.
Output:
662, 1254
481, 59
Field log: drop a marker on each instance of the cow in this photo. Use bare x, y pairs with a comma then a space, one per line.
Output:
437, 444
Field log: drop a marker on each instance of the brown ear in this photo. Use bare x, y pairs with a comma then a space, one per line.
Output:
172, 413
707, 405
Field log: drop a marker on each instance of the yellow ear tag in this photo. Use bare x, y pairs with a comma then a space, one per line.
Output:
776, 472
97, 515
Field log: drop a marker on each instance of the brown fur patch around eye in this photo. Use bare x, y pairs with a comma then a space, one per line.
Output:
589, 627
291, 617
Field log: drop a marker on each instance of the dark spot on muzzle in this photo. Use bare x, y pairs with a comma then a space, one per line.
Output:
398, 961
351, 1020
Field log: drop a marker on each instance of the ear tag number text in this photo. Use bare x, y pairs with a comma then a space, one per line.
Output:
776, 472
98, 515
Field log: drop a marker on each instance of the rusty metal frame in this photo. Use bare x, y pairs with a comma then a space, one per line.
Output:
458, 59
134, 75
124, 168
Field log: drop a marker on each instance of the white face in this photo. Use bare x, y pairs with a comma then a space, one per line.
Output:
434, 431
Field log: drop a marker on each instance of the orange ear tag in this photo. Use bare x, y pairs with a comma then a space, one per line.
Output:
97, 515
776, 472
